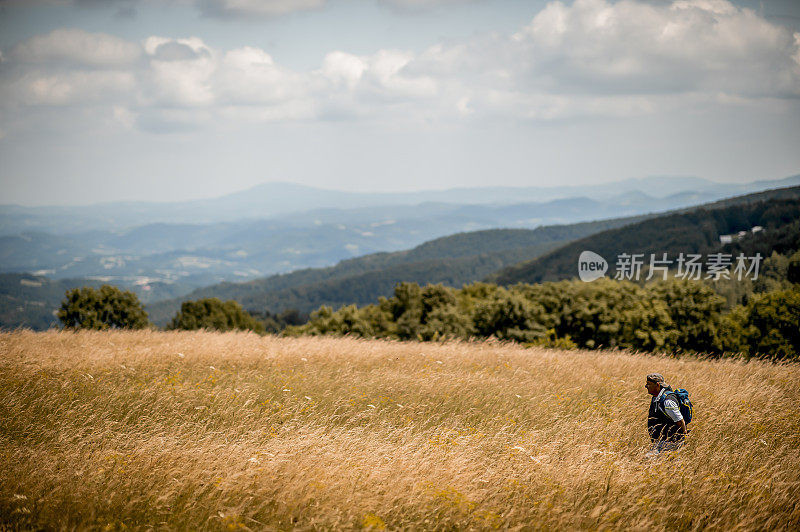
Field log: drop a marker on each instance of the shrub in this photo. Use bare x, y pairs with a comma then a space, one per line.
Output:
767, 326
211, 313
106, 308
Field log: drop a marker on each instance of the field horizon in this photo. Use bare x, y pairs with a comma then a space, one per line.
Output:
224, 431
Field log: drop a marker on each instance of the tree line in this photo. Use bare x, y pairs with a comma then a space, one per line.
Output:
676, 316
671, 315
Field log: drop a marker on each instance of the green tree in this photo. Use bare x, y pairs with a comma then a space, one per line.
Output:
441, 317
211, 313
731, 331
370, 321
767, 326
406, 310
695, 312
510, 316
105, 308
793, 269
320, 322
446, 322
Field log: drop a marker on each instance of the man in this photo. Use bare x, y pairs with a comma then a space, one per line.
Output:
664, 421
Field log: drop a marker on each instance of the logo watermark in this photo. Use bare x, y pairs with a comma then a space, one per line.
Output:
591, 266
631, 266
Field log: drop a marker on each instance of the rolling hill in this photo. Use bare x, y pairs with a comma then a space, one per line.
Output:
31, 301
187, 256
461, 259
695, 230
453, 260
502, 256
161, 251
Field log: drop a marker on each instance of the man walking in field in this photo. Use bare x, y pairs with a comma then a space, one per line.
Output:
665, 422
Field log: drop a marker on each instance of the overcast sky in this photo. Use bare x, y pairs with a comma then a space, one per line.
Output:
179, 99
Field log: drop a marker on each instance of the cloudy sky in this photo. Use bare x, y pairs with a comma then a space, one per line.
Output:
105, 100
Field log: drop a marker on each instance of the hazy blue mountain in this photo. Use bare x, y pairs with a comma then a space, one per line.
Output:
32, 301
272, 200
199, 255
164, 259
175, 258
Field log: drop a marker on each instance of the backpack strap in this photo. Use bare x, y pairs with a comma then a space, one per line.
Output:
663, 400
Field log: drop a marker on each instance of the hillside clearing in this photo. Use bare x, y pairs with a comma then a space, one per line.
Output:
200, 430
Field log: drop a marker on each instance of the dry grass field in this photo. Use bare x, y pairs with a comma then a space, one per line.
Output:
198, 430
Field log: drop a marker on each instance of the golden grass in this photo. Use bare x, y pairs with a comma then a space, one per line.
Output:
200, 430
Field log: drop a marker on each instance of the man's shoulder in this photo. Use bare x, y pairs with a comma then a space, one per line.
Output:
668, 398
668, 394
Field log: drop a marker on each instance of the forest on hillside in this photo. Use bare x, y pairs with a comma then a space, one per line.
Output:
453, 260
697, 231
675, 316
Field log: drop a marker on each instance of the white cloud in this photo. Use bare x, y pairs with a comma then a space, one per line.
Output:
154, 46
591, 58
422, 4
74, 46
68, 88
124, 116
797, 49
246, 8
250, 76
632, 47
718, 7
386, 77
343, 68
382, 75
180, 72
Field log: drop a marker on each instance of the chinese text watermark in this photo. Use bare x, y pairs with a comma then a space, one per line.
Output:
692, 266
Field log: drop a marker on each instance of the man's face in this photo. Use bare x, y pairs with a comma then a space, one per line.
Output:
652, 388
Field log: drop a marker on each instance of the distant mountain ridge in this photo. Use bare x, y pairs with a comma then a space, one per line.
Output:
453, 260
162, 260
270, 200
197, 255
166, 258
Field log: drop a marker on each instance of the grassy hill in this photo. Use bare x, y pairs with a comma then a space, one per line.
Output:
694, 230
181, 431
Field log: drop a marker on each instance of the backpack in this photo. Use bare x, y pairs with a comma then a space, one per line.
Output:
684, 403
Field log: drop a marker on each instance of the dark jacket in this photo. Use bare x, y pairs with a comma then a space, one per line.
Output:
659, 424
